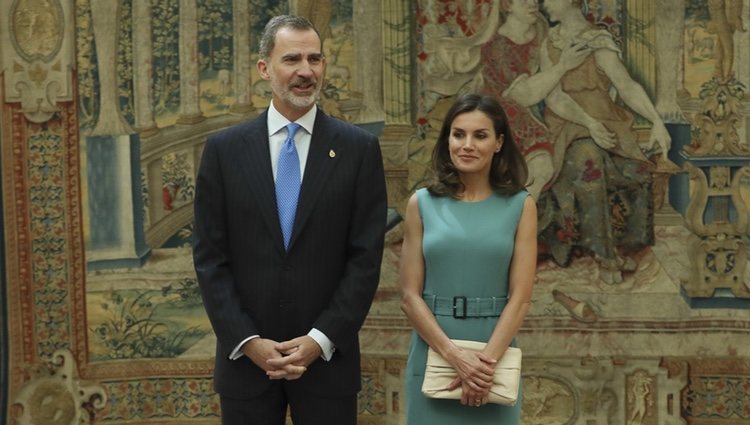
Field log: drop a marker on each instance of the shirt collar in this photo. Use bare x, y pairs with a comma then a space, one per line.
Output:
276, 121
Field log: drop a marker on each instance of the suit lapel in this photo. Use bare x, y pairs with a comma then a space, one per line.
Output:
320, 162
256, 163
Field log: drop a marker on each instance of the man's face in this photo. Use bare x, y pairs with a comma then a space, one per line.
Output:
296, 69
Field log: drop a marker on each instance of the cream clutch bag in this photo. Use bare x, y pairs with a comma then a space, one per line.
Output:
439, 373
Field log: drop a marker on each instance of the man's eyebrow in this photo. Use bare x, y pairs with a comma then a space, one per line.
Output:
291, 56
296, 56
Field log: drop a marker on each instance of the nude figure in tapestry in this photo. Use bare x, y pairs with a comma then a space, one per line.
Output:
617, 222
606, 69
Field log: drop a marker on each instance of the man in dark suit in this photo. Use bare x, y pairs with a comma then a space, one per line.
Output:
287, 292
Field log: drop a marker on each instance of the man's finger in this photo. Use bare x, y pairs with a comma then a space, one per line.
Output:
276, 374
286, 371
290, 351
283, 362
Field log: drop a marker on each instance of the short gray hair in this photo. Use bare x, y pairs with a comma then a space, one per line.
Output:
268, 39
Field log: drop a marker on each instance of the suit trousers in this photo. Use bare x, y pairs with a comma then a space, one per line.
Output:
270, 408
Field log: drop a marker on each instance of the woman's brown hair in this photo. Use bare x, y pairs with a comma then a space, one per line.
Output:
508, 172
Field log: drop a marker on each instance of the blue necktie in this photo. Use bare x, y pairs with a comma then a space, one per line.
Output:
288, 183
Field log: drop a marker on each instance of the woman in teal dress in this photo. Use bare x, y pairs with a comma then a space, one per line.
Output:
470, 237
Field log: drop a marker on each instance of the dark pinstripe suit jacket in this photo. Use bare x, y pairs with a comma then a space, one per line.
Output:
328, 276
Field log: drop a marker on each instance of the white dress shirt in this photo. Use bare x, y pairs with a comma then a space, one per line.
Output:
276, 135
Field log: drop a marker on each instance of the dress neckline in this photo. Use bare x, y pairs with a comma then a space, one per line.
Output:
461, 201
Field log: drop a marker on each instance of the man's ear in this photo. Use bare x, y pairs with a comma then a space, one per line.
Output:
263, 69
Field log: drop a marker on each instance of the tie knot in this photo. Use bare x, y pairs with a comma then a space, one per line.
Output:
291, 130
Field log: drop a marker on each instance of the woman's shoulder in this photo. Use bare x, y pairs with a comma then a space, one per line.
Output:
519, 202
518, 198
588, 34
598, 38
422, 202
427, 198
420, 197
432, 191
420, 193
521, 193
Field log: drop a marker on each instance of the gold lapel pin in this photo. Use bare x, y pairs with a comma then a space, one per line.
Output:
332, 154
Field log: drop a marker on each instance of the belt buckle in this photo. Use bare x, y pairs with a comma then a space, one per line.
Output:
455, 308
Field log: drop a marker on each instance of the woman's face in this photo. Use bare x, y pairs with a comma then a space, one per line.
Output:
472, 143
555, 8
524, 10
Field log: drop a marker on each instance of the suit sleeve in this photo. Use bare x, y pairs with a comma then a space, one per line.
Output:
211, 255
351, 301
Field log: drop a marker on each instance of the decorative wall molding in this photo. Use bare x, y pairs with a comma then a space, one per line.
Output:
38, 55
55, 395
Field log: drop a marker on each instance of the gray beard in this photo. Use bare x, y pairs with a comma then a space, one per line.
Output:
297, 101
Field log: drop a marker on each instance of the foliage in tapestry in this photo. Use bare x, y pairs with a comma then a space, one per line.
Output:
215, 51
260, 12
87, 69
88, 77
701, 45
177, 181
342, 11
215, 35
166, 56
145, 199
142, 323
697, 9
125, 61
183, 238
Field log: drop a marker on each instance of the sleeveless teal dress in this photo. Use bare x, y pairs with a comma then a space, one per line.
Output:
467, 248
